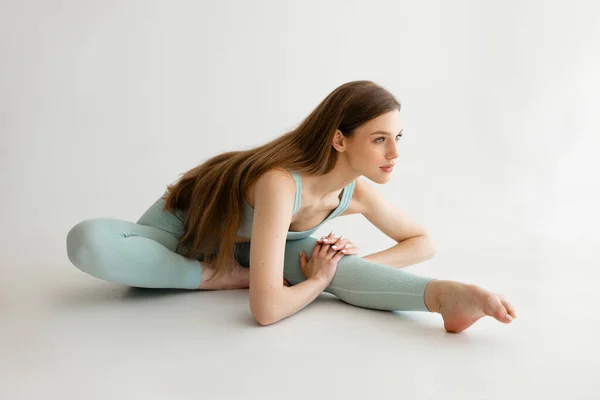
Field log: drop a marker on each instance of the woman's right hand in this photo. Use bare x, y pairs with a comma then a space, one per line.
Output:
322, 264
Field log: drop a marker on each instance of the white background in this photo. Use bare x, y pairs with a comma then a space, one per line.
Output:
104, 103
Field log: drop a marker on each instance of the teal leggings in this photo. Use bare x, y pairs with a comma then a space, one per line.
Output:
143, 254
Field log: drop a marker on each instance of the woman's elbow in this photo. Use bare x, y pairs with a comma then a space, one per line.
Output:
430, 249
260, 312
263, 318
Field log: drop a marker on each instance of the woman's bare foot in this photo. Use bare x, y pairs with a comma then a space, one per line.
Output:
461, 305
239, 278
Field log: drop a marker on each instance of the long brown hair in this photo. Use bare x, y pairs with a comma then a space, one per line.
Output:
211, 194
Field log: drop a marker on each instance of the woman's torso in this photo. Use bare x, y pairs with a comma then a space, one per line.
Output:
309, 214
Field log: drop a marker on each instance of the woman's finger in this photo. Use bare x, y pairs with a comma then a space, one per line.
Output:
329, 238
333, 252
340, 243
315, 253
323, 249
351, 249
338, 256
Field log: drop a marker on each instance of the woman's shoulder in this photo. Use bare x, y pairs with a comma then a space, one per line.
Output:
355, 205
277, 177
280, 170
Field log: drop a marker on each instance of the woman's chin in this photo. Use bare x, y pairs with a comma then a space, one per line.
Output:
381, 177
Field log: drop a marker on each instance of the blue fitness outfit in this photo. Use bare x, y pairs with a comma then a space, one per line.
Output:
142, 254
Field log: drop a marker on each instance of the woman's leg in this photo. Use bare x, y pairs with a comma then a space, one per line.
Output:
377, 286
138, 254
357, 281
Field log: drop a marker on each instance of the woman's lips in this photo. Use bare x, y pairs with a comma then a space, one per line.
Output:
387, 169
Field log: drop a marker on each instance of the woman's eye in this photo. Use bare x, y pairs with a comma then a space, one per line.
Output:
383, 137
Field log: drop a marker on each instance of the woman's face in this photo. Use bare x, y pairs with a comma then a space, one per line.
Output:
374, 145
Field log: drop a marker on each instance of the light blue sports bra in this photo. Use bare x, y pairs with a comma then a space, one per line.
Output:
245, 228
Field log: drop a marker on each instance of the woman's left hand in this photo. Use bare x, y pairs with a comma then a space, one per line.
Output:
339, 243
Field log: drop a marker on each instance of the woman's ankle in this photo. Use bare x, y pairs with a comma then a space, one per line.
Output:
433, 293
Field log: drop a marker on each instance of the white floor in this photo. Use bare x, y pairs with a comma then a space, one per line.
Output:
65, 335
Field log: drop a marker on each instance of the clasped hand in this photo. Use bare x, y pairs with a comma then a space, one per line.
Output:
339, 244
325, 255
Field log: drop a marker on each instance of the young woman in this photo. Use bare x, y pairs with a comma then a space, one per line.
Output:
197, 235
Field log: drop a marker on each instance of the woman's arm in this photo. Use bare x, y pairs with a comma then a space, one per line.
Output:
270, 300
292, 299
408, 252
414, 244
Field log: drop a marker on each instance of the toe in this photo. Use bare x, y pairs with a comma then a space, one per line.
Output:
509, 307
497, 309
502, 313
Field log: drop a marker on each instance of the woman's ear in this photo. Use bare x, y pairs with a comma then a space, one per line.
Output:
339, 141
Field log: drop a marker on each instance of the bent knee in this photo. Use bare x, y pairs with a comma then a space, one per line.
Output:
85, 243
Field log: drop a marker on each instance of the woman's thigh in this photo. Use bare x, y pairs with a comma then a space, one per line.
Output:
157, 217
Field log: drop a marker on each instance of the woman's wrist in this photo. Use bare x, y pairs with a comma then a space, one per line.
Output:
320, 280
